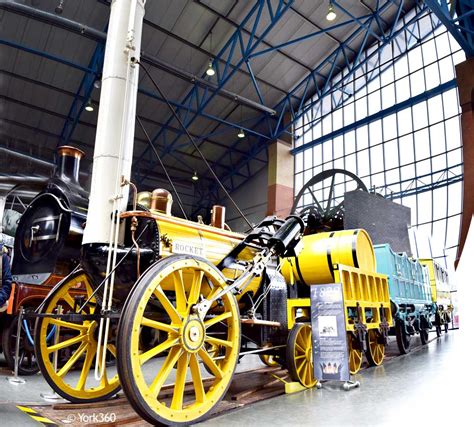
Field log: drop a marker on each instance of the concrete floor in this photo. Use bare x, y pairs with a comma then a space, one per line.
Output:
427, 387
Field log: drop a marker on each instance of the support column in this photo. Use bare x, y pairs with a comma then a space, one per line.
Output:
465, 81
280, 177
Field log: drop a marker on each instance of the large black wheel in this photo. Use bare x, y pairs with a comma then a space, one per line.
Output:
424, 335
403, 338
321, 201
27, 358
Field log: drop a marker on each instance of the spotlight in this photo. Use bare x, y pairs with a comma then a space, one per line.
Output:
59, 8
195, 176
97, 83
89, 107
331, 15
241, 133
210, 70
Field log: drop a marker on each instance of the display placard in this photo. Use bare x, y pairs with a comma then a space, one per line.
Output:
328, 323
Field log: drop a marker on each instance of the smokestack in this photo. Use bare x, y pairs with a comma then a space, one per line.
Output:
113, 152
68, 163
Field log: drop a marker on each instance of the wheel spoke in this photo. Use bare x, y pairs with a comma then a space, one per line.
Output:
91, 353
165, 370
331, 191
219, 342
217, 319
112, 349
166, 303
195, 290
69, 325
318, 205
72, 360
209, 362
170, 342
299, 347
66, 343
197, 379
158, 325
180, 382
181, 301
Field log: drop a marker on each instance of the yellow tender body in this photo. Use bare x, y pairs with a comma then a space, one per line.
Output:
366, 288
439, 281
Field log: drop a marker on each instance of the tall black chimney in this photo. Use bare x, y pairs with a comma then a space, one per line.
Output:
68, 164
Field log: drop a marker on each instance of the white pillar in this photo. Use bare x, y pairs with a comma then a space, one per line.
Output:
113, 152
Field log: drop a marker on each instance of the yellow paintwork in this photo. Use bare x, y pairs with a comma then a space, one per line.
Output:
439, 281
82, 344
182, 351
303, 356
337, 248
183, 236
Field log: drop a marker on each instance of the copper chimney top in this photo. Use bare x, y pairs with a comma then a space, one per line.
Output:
68, 163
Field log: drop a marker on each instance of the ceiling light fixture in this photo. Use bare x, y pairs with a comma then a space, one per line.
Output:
331, 15
210, 69
241, 133
59, 8
89, 107
195, 176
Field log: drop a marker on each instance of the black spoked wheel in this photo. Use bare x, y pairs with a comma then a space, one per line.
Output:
27, 359
424, 335
321, 200
403, 338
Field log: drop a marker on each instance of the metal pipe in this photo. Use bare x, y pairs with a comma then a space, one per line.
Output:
100, 36
50, 18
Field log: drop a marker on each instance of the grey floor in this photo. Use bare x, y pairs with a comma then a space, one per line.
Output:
431, 386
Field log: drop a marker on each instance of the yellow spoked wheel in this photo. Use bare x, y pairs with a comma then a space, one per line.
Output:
67, 350
355, 354
163, 299
299, 355
375, 347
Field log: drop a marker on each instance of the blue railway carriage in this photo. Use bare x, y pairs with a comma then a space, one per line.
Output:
413, 308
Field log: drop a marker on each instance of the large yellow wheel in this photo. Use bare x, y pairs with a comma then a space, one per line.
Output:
73, 345
355, 354
299, 355
375, 347
163, 299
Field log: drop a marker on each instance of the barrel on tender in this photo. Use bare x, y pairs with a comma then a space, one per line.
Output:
322, 251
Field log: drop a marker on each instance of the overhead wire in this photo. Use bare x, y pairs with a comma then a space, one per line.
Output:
196, 147
180, 203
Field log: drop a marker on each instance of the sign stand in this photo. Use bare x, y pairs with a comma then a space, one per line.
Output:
16, 380
328, 325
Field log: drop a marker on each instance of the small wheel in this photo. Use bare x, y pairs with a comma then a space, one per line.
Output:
424, 335
269, 359
163, 298
74, 344
27, 359
403, 339
355, 354
375, 347
299, 355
